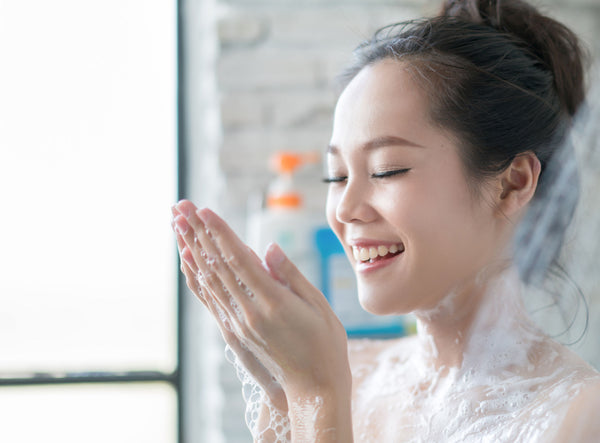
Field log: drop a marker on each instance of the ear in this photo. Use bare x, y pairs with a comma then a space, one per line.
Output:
518, 183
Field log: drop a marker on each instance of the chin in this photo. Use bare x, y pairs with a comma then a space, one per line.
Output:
379, 303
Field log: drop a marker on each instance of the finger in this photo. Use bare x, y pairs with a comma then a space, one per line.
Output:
191, 272
187, 209
188, 266
208, 276
182, 246
188, 238
195, 257
219, 262
194, 233
229, 291
287, 273
189, 228
183, 229
223, 321
221, 311
188, 259
184, 207
185, 255
237, 265
192, 282
254, 255
180, 241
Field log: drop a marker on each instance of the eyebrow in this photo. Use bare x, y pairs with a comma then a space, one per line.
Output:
379, 142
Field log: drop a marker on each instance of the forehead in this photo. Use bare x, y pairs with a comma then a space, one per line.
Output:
383, 100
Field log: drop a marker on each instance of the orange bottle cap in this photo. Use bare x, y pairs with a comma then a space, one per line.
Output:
288, 162
289, 201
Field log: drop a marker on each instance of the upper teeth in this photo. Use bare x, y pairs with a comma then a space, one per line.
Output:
366, 254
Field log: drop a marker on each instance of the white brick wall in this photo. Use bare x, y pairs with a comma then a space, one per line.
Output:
274, 71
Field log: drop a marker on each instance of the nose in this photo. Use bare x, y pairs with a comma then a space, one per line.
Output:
354, 205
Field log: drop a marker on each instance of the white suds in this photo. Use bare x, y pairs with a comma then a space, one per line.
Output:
514, 384
278, 429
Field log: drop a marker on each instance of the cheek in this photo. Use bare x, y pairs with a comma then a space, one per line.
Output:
409, 208
435, 217
453, 233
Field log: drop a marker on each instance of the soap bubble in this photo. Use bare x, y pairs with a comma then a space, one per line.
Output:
278, 426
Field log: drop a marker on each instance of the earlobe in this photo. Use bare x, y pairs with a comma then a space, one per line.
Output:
519, 182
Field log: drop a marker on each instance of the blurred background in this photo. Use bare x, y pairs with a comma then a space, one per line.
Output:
111, 111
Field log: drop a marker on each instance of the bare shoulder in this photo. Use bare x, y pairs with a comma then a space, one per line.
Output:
581, 423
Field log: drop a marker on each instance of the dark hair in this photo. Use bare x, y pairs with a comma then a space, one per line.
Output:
501, 76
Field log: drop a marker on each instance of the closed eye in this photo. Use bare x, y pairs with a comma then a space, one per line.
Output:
334, 179
390, 173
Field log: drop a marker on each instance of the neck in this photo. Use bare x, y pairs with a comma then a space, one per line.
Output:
475, 324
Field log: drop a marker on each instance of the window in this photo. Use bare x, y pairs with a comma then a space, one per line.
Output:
88, 324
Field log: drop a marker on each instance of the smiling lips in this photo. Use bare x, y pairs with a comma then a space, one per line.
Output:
373, 253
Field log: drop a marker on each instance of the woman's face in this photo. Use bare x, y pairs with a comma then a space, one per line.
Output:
400, 203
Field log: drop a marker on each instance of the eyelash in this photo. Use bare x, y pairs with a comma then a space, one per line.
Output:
378, 175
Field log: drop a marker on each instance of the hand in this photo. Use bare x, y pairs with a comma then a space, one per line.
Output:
196, 283
271, 311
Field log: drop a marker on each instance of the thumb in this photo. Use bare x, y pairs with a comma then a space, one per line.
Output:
282, 268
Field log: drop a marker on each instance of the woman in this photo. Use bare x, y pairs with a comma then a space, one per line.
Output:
441, 140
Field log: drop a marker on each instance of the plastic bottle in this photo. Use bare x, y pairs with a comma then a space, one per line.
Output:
285, 219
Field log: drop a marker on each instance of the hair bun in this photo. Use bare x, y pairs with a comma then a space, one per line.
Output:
555, 46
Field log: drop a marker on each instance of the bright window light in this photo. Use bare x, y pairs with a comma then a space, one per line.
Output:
115, 413
87, 177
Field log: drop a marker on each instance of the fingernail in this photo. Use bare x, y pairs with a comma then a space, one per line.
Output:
186, 255
183, 209
202, 215
275, 254
181, 225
